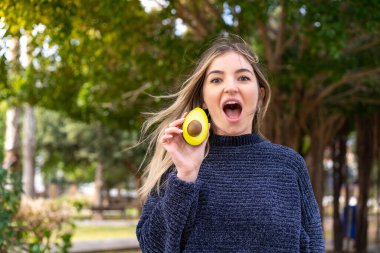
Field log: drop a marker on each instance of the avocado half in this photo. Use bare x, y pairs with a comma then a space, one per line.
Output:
195, 127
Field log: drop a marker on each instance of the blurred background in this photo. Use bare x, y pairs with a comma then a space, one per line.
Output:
77, 75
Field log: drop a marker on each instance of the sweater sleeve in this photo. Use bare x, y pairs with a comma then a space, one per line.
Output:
165, 218
311, 232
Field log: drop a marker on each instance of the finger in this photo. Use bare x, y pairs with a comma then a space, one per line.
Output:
177, 122
166, 137
173, 130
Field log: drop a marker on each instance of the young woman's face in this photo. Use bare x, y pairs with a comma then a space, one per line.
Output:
231, 94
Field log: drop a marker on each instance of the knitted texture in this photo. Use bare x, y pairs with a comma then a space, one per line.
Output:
250, 196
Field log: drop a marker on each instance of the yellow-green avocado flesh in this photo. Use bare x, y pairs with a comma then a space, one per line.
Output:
195, 127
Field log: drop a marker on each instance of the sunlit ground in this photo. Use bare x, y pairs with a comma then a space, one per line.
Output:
103, 232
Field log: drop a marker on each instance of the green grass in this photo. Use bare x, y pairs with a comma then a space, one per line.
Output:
130, 213
103, 232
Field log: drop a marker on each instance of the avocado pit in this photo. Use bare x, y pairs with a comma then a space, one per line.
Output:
194, 128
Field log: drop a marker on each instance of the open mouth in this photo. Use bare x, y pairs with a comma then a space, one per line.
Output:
232, 109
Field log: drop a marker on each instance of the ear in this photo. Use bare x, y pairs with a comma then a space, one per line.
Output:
262, 92
261, 97
204, 106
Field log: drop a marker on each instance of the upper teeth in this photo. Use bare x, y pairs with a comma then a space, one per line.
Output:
231, 103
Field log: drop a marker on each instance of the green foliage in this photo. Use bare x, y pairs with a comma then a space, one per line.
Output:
10, 194
35, 226
107, 55
78, 203
2, 126
76, 147
101, 67
97, 61
44, 226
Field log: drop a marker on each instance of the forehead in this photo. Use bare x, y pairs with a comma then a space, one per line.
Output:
229, 61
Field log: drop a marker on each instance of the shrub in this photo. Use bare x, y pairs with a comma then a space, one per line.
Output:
78, 202
10, 193
33, 226
44, 225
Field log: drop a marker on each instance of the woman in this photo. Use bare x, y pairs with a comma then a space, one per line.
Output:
236, 192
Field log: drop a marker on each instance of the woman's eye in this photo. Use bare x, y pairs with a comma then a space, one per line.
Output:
244, 78
215, 80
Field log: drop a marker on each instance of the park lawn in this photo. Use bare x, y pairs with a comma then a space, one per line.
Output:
103, 232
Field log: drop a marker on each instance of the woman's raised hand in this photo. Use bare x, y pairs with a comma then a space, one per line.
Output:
186, 158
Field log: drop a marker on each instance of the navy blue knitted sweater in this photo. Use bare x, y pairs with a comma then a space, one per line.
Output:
250, 196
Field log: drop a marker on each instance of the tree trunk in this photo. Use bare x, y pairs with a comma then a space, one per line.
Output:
12, 143
365, 158
12, 131
315, 166
323, 126
288, 128
378, 193
99, 186
376, 153
281, 126
12, 139
377, 160
138, 184
339, 150
28, 151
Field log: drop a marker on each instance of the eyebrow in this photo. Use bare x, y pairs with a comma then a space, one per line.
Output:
221, 72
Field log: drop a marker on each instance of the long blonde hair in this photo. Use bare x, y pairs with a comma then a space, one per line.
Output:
189, 97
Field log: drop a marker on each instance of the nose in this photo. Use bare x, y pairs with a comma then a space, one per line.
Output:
231, 87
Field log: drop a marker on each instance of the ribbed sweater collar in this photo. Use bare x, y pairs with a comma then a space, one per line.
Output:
241, 140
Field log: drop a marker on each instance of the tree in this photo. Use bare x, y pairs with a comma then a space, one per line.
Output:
365, 151
340, 177
320, 57
83, 148
12, 131
29, 144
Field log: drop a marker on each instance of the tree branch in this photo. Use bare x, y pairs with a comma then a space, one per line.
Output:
201, 18
366, 46
133, 94
214, 11
280, 37
267, 44
348, 77
190, 20
291, 40
316, 99
365, 100
318, 78
344, 95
